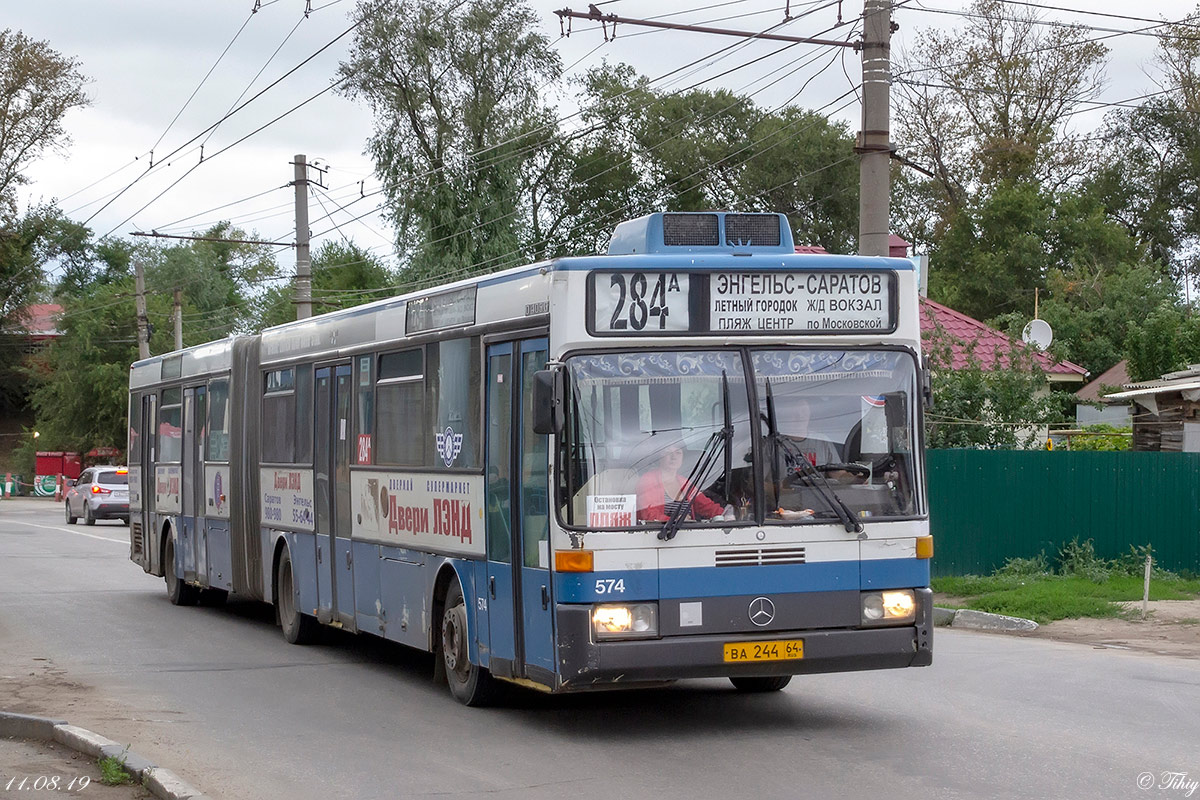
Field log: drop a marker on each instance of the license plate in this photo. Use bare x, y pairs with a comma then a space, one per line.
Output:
782, 650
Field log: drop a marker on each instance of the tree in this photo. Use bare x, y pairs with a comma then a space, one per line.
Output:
344, 275
988, 105
38, 86
1150, 176
80, 382
704, 149
455, 89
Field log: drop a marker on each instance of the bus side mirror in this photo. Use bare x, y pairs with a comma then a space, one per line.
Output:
548, 391
927, 388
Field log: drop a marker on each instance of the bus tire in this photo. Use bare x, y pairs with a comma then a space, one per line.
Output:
298, 628
471, 684
759, 685
179, 592
71, 518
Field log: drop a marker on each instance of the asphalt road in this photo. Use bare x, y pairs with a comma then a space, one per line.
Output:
220, 698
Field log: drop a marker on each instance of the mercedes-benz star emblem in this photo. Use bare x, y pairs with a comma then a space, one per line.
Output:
762, 611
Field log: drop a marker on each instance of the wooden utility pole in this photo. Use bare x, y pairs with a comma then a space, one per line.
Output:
303, 258
874, 141
143, 326
178, 315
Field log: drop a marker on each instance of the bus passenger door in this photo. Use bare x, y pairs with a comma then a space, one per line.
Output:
518, 592
498, 500
343, 557
331, 454
193, 470
189, 540
537, 613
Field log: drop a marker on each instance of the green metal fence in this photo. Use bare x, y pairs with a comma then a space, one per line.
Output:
990, 505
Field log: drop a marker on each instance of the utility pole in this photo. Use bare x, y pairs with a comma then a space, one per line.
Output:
178, 319
303, 299
874, 141
143, 325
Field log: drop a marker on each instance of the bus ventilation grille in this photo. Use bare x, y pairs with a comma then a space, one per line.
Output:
752, 229
755, 557
135, 537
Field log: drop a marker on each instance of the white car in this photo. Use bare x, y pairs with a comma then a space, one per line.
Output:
99, 493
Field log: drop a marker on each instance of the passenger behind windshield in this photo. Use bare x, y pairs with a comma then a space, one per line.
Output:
661, 491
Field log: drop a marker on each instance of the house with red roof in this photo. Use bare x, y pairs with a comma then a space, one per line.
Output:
968, 338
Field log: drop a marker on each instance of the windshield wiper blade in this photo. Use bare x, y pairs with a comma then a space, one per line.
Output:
719, 442
793, 455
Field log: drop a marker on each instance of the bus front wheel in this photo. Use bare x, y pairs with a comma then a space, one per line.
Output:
298, 628
758, 685
470, 684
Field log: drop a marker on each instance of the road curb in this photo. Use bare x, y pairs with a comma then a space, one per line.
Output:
980, 620
163, 783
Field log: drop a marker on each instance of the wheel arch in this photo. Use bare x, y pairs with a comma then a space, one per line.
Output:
164, 533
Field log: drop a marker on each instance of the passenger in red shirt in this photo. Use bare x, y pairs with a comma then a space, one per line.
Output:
661, 489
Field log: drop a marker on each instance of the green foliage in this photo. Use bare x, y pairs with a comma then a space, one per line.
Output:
38, 86
704, 149
80, 382
455, 91
1045, 598
1166, 340
343, 275
1080, 559
1000, 408
1103, 437
1024, 567
112, 770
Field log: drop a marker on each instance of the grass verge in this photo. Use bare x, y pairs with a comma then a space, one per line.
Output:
113, 772
1045, 598
1080, 585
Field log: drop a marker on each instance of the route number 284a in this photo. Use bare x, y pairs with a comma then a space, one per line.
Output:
643, 300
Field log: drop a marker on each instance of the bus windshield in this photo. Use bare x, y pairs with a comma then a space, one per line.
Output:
835, 425
659, 440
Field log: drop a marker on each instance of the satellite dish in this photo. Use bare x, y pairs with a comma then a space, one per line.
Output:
1038, 333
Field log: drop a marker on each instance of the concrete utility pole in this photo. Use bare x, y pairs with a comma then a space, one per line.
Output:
178, 315
874, 141
303, 299
143, 335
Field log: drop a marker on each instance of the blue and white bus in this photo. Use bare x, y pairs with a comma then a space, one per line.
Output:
697, 455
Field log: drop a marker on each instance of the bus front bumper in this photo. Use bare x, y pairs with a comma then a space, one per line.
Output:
585, 664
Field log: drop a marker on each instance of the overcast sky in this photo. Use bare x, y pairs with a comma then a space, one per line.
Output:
144, 60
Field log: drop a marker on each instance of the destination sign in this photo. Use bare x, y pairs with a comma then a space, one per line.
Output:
748, 303
810, 302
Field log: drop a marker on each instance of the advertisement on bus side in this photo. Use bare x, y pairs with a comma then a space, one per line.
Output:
442, 512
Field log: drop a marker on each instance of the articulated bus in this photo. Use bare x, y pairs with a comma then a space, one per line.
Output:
698, 455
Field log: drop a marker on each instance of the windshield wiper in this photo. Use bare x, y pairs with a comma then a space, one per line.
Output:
793, 456
719, 442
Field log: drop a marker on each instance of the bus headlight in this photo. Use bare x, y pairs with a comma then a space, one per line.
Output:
894, 607
625, 621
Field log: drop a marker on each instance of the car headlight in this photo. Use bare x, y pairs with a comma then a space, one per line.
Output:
895, 607
625, 621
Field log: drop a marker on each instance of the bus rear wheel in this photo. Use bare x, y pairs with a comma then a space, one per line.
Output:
471, 684
178, 590
759, 685
298, 628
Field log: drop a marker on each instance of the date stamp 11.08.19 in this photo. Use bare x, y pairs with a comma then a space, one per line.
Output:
46, 783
